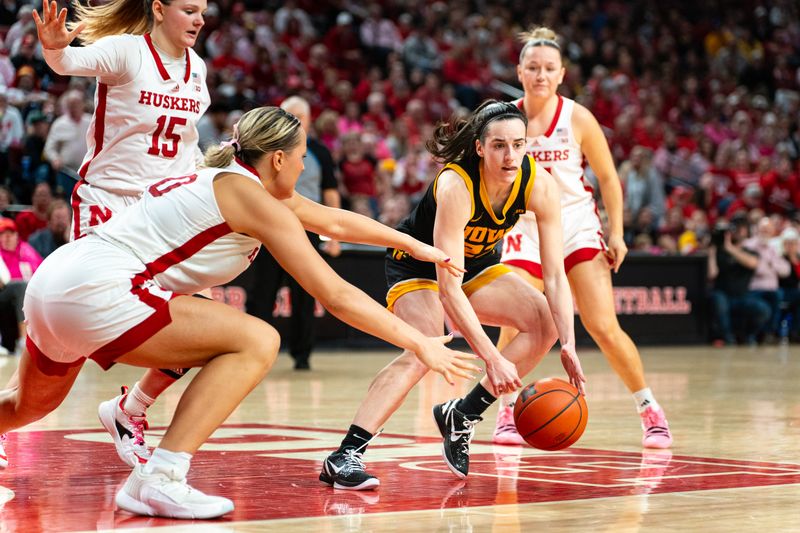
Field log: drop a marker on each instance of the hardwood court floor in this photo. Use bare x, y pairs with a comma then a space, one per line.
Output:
735, 464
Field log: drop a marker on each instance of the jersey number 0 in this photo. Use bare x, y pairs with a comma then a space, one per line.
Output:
170, 148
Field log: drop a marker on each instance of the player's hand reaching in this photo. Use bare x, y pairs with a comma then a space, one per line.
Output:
52, 26
425, 252
502, 375
573, 367
449, 363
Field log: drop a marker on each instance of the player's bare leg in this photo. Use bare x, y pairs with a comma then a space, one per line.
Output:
591, 284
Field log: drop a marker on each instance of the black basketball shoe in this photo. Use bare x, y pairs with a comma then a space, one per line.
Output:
457, 430
345, 470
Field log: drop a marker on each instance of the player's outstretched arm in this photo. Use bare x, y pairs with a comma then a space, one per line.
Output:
348, 226
248, 209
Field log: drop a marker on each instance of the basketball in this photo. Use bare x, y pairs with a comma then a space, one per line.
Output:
550, 414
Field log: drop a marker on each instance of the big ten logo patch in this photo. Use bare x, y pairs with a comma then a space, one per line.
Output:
283, 304
232, 295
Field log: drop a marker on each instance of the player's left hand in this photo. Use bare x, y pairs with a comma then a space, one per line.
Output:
617, 250
424, 252
571, 363
52, 28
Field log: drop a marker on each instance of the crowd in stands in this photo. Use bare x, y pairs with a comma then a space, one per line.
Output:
700, 103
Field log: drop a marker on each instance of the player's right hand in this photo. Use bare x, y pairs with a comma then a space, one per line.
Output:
571, 363
502, 375
52, 26
449, 363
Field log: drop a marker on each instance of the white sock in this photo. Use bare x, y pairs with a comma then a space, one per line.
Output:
644, 398
174, 464
508, 399
137, 402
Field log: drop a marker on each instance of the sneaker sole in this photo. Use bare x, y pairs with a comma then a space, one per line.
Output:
127, 503
369, 484
458, 473
508, 441
108, 421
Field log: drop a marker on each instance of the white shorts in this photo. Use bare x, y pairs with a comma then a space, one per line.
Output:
92, 206
582, 233
90, 299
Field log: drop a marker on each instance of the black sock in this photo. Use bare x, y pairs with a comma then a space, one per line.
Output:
356, 437
476, 401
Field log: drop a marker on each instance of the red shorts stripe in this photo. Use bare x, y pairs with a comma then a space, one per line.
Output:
579, 256
46, 365
134, 337
534, 269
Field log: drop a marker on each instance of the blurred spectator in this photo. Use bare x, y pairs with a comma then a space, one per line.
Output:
394, 209
7, 70
771, 266
673, 224
730, 268
6, 199
781, 188
642, 183
12, 133
211, 126
696, 236
420, 50
46, 240
343, 38
359, 176
18, 263
22, 26
35, 218
66, 144
35, 168
790, 284
377, 113
673, 161
750, 199
379, 35
26, 55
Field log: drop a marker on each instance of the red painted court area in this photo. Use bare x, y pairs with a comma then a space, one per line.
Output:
62, 480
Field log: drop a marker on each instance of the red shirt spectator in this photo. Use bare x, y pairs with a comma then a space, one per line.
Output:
781, 188
34, 219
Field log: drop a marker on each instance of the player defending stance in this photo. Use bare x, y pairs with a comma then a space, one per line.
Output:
561, 133
476, 198
119, 296
151, 91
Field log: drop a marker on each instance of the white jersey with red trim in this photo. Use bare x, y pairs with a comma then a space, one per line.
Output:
146, 127
178, 233
560, 154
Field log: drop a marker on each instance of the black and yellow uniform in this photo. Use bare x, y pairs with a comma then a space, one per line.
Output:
483, 234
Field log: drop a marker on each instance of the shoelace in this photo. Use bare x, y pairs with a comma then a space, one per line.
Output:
652, 422
352, 461
138, 425
468, 432
353, 456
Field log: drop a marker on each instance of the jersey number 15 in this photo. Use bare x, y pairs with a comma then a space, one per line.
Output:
166, 125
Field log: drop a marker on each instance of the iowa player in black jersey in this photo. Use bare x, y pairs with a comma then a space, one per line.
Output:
476, 198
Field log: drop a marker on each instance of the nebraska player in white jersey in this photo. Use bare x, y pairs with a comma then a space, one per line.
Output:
119, 296
151, 91
561, 134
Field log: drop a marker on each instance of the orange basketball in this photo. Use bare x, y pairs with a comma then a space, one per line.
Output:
550, 414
